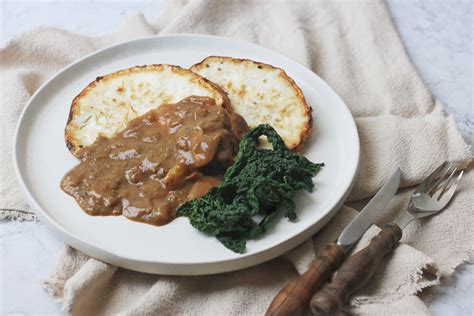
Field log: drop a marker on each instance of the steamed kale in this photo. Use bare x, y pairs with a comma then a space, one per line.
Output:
260, 182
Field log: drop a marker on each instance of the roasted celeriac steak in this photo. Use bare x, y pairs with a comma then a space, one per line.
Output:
107, 104
262, 94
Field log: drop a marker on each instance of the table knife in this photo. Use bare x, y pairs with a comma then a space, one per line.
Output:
292, 299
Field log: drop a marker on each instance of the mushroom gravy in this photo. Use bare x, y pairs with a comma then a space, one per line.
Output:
162, 159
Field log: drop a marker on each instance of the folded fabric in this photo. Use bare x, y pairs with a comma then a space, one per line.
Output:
89, 286
355, 48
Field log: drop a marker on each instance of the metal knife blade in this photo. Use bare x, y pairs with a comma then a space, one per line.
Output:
359, 225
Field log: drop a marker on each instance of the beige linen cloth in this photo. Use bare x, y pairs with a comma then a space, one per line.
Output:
355, 48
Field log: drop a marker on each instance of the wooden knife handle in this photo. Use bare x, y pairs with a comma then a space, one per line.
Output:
293, 298
355, 272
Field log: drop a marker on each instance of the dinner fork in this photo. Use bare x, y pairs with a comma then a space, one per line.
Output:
430, 197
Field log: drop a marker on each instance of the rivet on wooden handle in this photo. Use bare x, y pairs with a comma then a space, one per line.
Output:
355, 272
292, 299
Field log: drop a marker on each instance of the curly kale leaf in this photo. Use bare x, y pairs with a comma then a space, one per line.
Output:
260, 184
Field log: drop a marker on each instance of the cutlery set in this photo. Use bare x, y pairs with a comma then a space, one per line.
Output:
430, 197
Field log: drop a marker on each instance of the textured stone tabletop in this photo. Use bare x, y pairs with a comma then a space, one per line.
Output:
439, 39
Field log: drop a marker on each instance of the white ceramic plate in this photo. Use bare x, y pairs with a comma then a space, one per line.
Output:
41, 159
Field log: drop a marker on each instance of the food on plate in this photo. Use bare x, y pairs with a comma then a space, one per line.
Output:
107, 104
262, 94
262, 182
160, 141
161, 159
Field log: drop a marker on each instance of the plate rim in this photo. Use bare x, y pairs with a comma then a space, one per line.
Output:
179, 268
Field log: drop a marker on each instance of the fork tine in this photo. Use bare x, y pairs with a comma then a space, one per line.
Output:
423, 204
443, 185
453, 186
436, 177
425, 184
434, 187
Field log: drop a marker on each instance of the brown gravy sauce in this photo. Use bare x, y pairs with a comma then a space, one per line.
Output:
163, 158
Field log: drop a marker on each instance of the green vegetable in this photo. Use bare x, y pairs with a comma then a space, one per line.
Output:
260, 182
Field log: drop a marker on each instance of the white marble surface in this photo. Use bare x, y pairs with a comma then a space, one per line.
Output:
439, 39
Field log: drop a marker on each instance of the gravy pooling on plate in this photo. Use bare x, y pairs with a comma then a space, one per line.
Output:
163, 158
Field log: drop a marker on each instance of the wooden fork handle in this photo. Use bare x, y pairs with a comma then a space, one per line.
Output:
293, 298
355, 272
